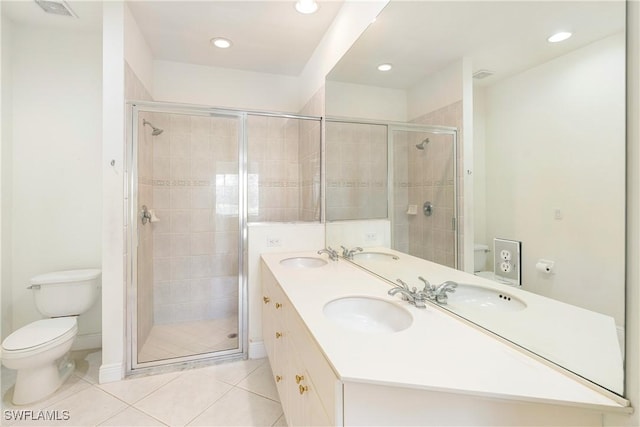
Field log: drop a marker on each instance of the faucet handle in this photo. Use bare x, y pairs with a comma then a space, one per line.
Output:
427, 286
402, 285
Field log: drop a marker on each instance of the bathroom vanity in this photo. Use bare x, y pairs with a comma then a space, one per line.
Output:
344, 352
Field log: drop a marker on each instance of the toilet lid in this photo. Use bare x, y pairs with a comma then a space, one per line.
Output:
39, 332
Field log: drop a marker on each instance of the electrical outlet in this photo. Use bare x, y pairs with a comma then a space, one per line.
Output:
273, 242
370, 237
507, 261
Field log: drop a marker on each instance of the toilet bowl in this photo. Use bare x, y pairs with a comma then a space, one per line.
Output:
39, 350
480, 252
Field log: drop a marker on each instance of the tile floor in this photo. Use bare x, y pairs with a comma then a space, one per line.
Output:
239, 393
187, 338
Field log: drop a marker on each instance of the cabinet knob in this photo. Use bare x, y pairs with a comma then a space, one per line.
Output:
266, 300
278, 378
299, 378
303, 388
278, 334
278, 305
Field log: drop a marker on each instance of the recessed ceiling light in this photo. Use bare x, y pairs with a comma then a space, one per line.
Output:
384, 67
306, 6
221, 42
558, 37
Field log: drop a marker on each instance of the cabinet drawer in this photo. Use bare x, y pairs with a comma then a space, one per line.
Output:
320, 372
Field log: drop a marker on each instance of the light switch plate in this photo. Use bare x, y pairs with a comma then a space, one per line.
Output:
507, 261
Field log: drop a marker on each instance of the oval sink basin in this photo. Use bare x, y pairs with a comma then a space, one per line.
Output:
484, 299
303, 262
374, 256
366, 314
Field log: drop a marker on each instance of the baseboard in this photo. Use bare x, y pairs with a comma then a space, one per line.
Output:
257, 350
110, 373
87, 342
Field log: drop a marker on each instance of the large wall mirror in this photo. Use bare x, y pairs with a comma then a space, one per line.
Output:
533, 151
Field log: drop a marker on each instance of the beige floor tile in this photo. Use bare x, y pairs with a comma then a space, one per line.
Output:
88, 407
88, 364
281, 422
261, 382
8, 379
132, 390
72, 386
234, 372
240, 408
131, 417
187, 338
184, 398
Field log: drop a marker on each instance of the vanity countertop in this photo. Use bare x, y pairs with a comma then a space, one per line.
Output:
571, 336
438, 352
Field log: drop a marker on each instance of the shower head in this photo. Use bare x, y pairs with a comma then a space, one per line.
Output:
156, 131
422, 144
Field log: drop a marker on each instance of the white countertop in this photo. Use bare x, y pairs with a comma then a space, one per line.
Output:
581, 340
437, 352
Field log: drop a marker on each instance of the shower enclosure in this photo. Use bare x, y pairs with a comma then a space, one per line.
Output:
409, 168
425, 215
197, 176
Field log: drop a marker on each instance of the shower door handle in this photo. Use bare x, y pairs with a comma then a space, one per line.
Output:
427, 208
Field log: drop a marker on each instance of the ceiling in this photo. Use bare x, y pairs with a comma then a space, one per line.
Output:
418, 37
268, 36
507, 37
27, 12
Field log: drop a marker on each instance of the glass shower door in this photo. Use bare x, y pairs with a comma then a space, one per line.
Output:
425, 194
188, 290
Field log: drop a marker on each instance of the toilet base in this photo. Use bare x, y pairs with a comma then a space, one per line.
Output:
40, 382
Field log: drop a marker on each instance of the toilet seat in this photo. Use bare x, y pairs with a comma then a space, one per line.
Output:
39, 336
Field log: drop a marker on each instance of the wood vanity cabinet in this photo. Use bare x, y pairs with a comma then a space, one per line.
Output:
305, 381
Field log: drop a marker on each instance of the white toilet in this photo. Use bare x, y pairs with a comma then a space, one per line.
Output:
39, 350
480, 252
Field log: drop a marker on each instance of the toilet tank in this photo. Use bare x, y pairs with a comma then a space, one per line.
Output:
66, 293
480, 252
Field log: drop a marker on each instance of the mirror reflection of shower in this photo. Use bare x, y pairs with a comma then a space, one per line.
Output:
156, 131
422, 144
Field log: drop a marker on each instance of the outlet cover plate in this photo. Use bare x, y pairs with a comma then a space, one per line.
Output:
507, 261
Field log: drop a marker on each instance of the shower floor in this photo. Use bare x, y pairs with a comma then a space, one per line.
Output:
189, 338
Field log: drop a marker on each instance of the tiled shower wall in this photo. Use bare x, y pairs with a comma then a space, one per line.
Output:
284, 169
421, 176
195, 197
356, 169
451, 115
427, 175
134, 89
309, 155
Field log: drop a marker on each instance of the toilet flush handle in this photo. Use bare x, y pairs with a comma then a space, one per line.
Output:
33, 287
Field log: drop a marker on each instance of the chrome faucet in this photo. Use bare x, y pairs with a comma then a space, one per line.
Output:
348, 253
428, 293
413, 296
333, 255
440, 292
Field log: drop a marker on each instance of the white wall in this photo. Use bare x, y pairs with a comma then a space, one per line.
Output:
550, 146
137, 52
365, 102
224, 87
351, 21
113, 196
56, 204
436, 91
479, 166
6, 307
